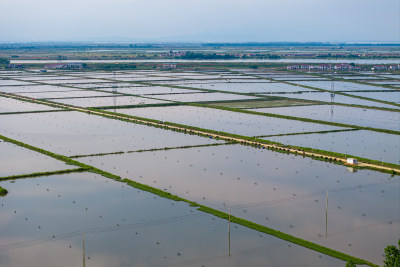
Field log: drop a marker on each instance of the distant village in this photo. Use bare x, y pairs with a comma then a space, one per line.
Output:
342, 66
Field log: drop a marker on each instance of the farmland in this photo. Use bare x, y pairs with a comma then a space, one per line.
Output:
154, 165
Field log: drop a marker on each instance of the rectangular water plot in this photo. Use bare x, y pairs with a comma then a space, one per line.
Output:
341, 114
151, 90
73, 133
202, 97
326, 97
7, 82
111, 101
16, 160
342, 86
365, 144
12, 105
284, 192
384, 96
262, 87
65, 94
36, 88
226, 121
127, 228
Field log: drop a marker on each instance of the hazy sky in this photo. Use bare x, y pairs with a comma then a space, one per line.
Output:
200, 20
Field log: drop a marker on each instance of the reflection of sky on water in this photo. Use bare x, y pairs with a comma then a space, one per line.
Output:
326, 97
12, 105
365, 144
15, 160
288, 190
226, 121
192, 241
341, 114
71, 133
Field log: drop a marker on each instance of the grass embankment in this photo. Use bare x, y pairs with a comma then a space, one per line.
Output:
146, 150
220, 214
38, 174
3, 191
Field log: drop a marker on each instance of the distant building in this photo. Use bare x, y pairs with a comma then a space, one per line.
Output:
15, 66
169, 65
352, 161
64, 66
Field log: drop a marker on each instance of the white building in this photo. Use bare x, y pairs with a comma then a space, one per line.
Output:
352, 161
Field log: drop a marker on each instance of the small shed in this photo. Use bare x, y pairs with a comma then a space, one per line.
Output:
352, 161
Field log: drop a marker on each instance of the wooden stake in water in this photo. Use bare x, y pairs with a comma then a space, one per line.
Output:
83, 247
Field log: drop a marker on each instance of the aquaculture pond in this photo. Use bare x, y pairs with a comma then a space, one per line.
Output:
253, 87
64, 94
384, 96
72, 133
342, 114
109, 101
35, 88
146, 90
284, 192
7, 82
13, 105
124, 226
16, 160
203, 97
226, 121
365, 144
342, 86
326, 97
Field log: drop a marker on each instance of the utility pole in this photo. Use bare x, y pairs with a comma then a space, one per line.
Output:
83, 247
326, 215
229, 232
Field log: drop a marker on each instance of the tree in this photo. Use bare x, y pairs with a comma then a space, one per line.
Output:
392, 256
4, 61
350, 264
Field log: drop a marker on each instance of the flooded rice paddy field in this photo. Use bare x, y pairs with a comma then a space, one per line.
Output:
384, 96
260, 87
16, 160
342, 114
124, 225
326, 97
203, 97
73, 133
366, 144
289, 197
110, 101
13, 105
148, 90
227, 121
64, 94
342, 86
35, 88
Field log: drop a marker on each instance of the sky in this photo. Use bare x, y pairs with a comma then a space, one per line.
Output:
200, 20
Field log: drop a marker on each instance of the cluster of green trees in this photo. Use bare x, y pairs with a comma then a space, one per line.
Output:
4, 61
193, 55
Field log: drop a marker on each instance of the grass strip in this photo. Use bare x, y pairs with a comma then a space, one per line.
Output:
3, 191
301, 133
38, 174
146, 150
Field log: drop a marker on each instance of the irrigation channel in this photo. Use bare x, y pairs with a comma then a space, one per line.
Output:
203, 133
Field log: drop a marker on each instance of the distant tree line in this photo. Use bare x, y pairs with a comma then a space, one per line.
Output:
193, 55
